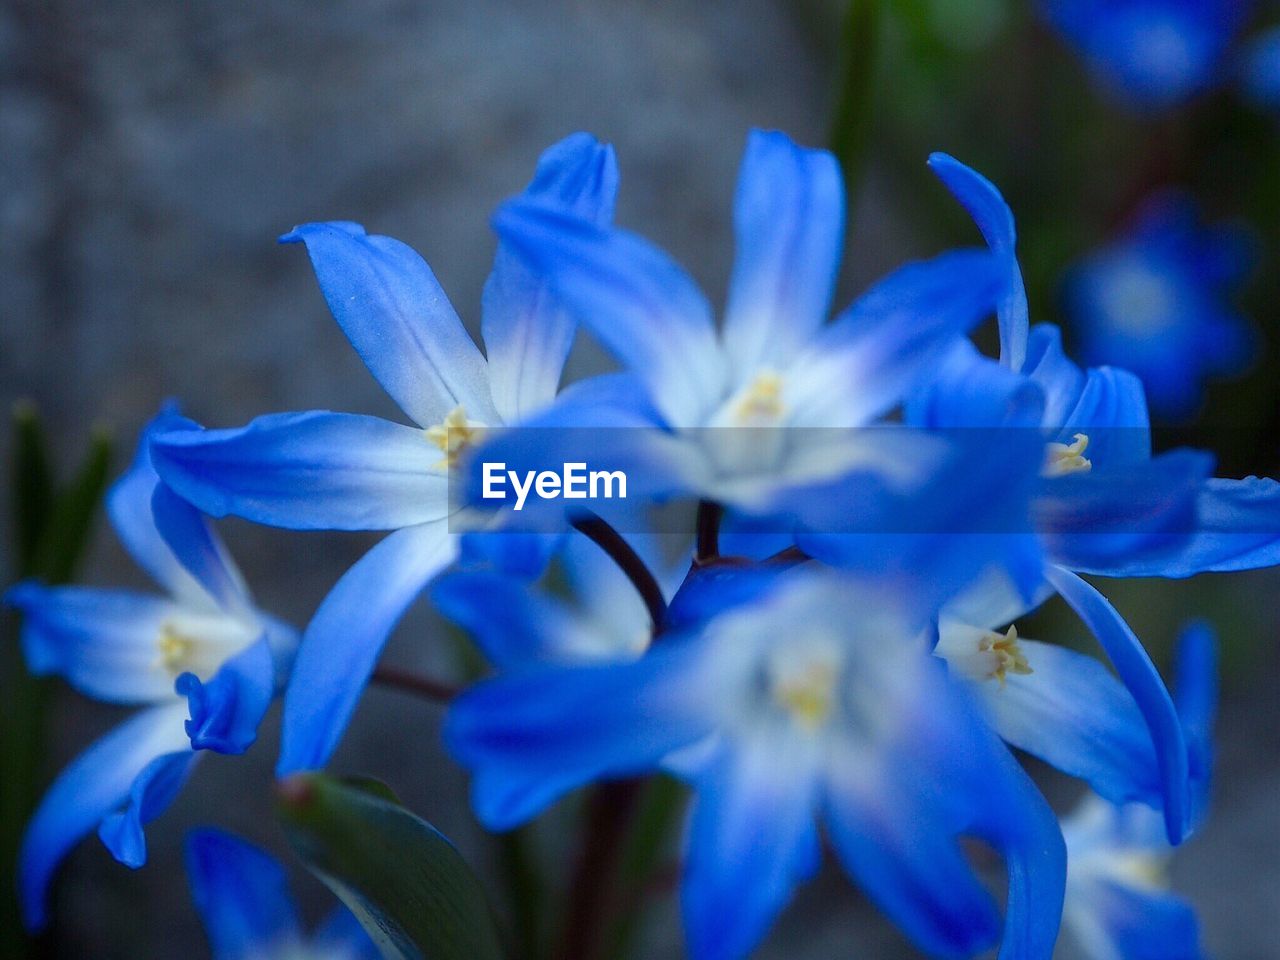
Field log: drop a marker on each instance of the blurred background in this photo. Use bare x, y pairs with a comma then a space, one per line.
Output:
152, 153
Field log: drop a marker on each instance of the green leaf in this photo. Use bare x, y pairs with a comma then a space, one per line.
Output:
66, 534
854, 113
32, 484
404, 881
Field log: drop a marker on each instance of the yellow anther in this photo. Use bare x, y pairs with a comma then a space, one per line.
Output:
175, 649
1063, 458
807, 695
1006, 653
762, 400
453, 435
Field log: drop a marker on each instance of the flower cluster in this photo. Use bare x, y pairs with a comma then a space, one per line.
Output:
830, 653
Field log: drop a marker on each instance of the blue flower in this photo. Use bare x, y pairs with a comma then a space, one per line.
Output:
1157, 303
1105, 506
321, 470
787, 712
1260, 69
242, 897
1118, 905
1152, 54
203, 654
776, 367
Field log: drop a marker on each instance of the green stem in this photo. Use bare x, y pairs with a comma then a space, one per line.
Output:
854, 114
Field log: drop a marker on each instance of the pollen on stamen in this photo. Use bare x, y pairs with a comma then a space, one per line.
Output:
175, 649
453, 435
1007, 654
807, 695
1061, 459
762, 401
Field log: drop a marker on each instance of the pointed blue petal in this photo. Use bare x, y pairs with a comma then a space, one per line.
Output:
199, 549
634, 298
308, 471
94, 785
1140, 924
1071, 712
341, 644
527, 333
1058, 377
1112, 412
752, 838
226, 711
1237, 528
875, 352
966, 389
789, 223
106, 643
1197, 702
150, 794
242, 897
532, 737
394, 312
1140, 675
994, 219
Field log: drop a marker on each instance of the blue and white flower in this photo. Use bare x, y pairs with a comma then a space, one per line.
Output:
203, 660
813, 701
322, 470
1157, 302
241, 894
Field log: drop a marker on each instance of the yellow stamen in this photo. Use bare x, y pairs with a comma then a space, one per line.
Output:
1063, 458
808, 695
762, 400
175, 650
1008, 655
453, 435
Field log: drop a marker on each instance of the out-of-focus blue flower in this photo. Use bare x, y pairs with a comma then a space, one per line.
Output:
811, 701
203, 654
242, 896
776, 367
1118, 904
1157, 302
1152, 54
321, 470
1260, 69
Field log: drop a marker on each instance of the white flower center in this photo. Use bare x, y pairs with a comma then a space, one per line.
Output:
453, 435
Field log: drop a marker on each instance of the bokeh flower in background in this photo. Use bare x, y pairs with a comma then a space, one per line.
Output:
1260, 69
1159, 301
1151, 54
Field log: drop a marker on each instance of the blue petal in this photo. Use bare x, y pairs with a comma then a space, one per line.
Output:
1050, 369
1071, 712
789, 221
241, 894
150, 795
1143, 924
308, 471
341, 935
752, 838
104, 642
1197, 703
966, 389
1112, 411
876, 351
513, 553
226, 711
643, 307
94, 785
1106, 519
1237, 528
532, 737
199, 550
527, 334
514, 625
994, 219
394, 312
1140, 675
341, 644
129, 507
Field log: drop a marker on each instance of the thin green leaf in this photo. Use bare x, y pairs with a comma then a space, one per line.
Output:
66, 535
32, 484
853, 117
406, 883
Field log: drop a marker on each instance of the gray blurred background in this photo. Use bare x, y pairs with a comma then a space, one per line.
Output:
153, 151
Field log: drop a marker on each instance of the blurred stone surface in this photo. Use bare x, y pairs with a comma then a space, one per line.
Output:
151, 154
